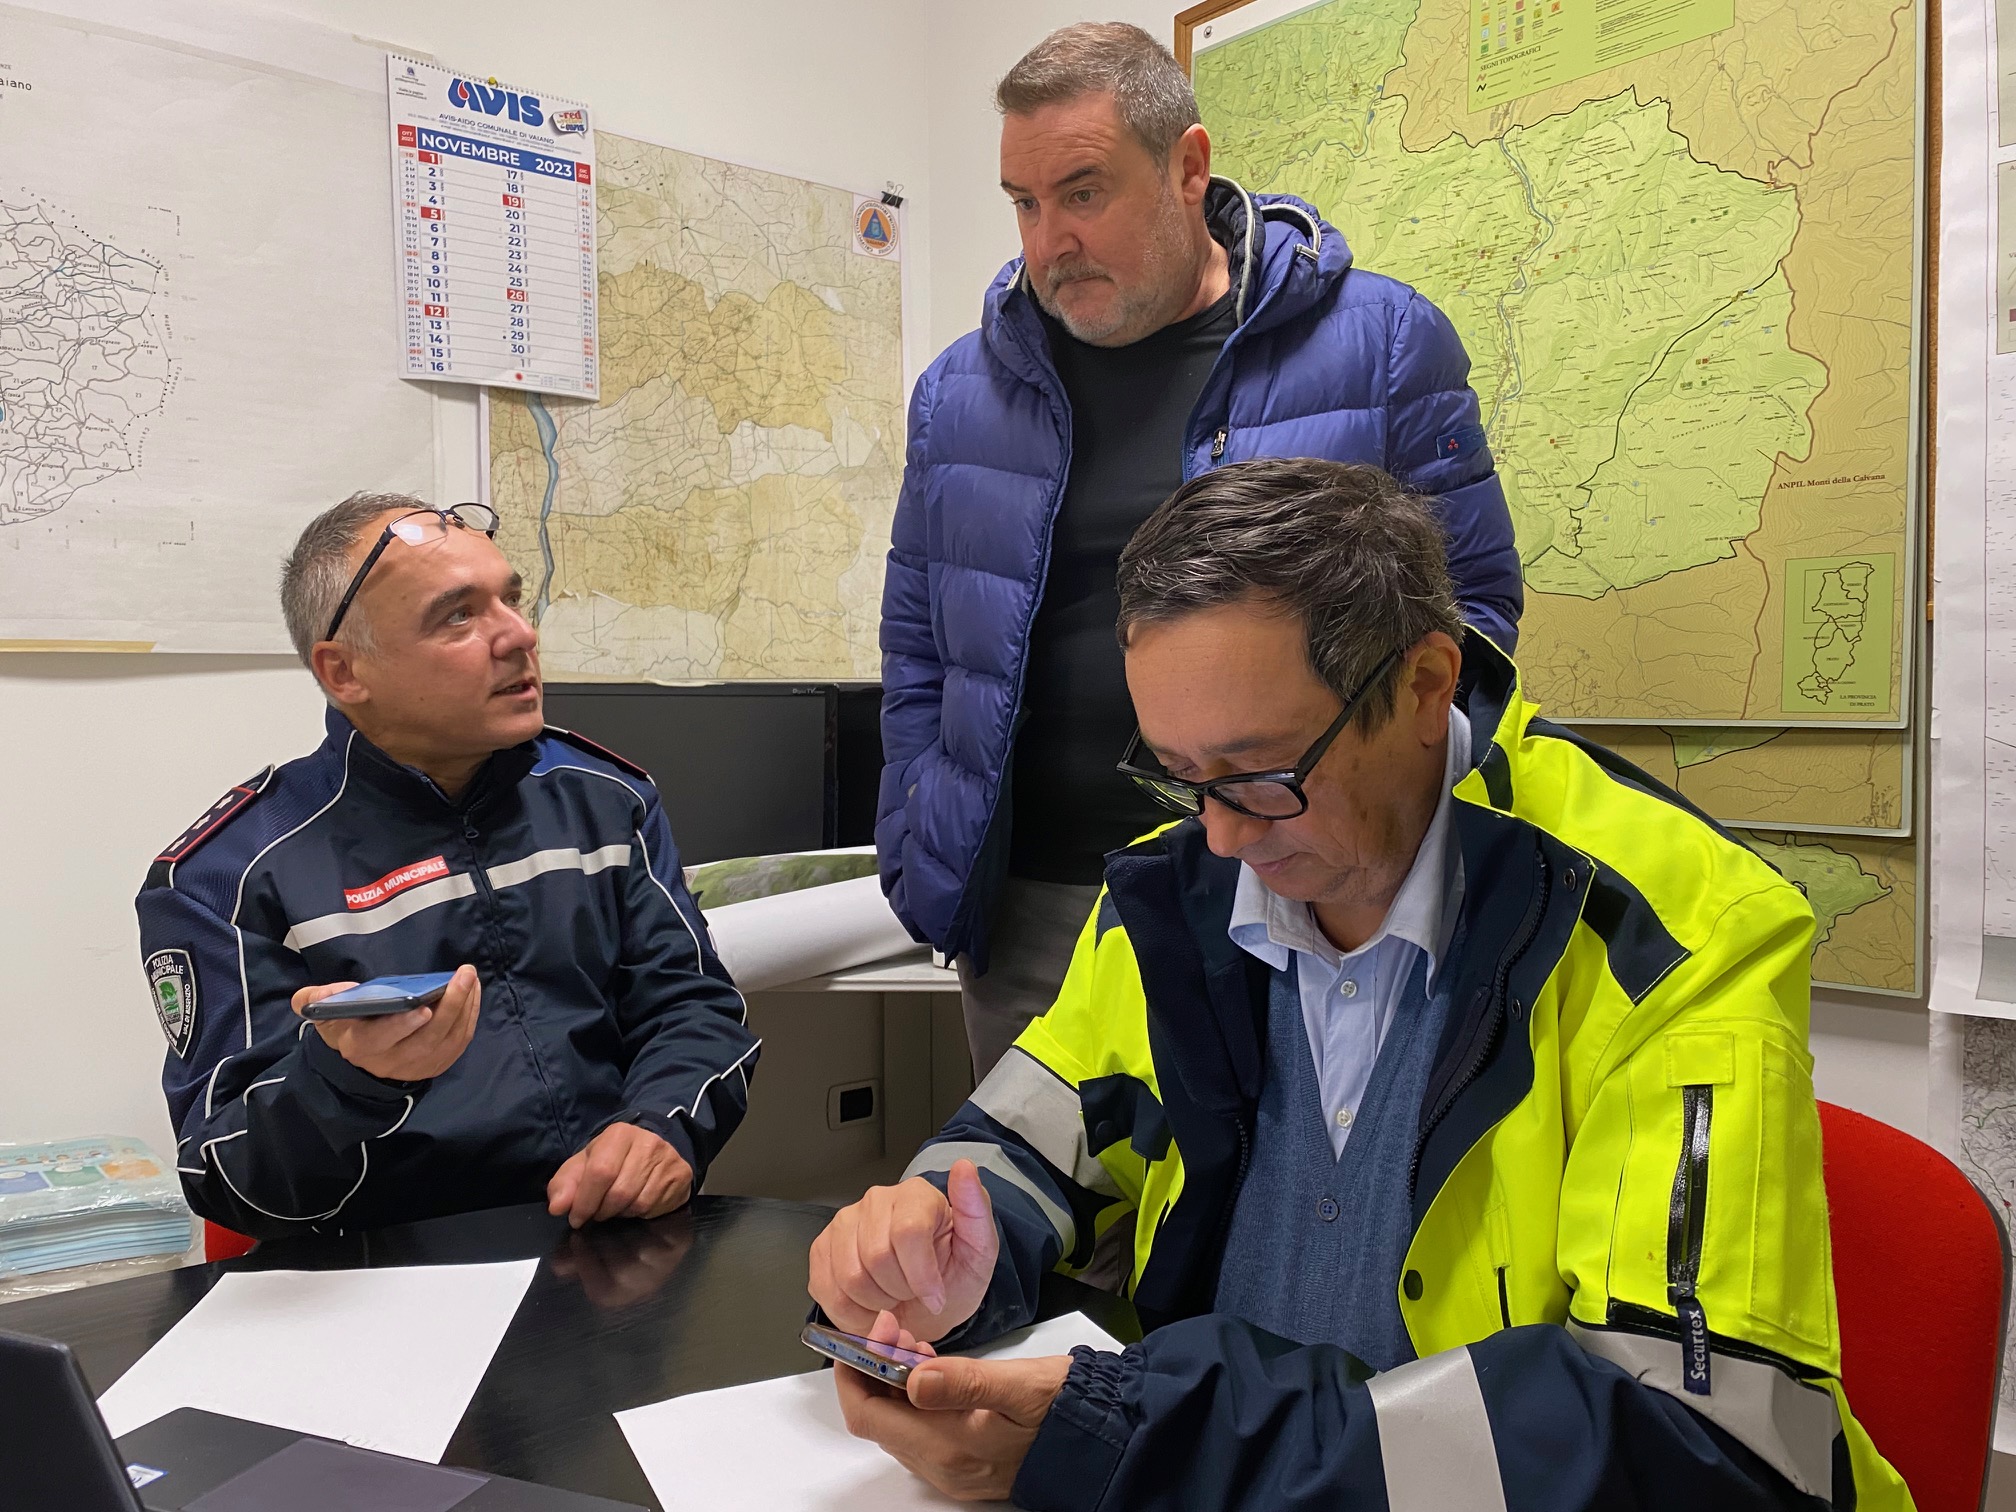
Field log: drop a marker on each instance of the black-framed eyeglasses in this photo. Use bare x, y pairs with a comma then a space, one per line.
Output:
1257, 795
415, 529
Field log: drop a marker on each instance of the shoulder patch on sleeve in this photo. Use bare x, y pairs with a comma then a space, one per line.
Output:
171, 978
582, 742
234, 802
1460, 442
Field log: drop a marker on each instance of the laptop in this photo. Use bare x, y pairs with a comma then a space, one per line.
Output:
56, 1456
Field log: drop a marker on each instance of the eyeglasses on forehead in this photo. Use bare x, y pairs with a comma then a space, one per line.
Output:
416, 528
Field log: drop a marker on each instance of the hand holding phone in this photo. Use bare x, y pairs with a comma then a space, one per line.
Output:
408, 1042
890, 1364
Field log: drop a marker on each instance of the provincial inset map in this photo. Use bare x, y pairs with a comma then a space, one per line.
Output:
723, 510
84, 360
1686, 284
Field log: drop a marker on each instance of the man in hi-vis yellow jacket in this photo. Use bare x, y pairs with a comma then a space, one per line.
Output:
1438, 1091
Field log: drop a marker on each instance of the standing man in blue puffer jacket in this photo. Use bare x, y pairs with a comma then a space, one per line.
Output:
1160, 322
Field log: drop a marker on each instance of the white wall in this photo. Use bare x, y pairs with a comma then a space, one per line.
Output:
109, 757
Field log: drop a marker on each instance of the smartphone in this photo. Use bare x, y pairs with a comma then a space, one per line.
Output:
885, 1362
382, 995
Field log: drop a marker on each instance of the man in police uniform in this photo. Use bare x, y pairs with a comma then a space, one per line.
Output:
1441, 1084
591, 1051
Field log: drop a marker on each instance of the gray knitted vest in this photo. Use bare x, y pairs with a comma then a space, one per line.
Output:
1317, 1242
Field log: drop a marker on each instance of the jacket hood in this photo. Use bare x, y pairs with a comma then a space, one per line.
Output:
1292, 265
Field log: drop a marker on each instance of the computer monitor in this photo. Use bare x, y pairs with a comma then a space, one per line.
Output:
743, 769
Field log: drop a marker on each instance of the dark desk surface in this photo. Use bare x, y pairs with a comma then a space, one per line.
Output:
618, 1315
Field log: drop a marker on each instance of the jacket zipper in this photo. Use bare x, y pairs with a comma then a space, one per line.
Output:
474, 838
1686, 1221
1482, 1059
1238, 1185
1504, 1302
1218, 443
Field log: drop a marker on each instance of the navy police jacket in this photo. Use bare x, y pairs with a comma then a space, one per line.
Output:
553, 873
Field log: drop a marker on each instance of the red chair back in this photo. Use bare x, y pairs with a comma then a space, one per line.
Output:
1921, 1266
220, 1243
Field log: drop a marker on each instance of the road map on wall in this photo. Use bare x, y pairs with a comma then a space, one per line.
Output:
194, 330
1682, 255
723, 510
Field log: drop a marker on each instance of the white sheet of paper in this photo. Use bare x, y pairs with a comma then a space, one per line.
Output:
778, 1444
384, 1359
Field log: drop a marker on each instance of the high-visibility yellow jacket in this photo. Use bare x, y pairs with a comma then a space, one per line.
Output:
1619, 1286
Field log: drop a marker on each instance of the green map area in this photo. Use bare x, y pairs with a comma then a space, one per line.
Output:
1864, 894
1651, 287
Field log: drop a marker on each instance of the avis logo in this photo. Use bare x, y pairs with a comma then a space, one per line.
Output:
492, 100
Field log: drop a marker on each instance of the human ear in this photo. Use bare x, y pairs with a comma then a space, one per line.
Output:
1429, 680
334, 666
1190, 161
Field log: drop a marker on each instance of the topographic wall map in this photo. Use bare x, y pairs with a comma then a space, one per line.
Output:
723, 510
178, 396
1858, 781
1685, 271
84, 347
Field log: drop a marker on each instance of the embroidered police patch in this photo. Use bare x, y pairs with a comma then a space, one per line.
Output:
171, 976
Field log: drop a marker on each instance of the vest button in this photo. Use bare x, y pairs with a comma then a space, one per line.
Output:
1411, 1285
1328, 1210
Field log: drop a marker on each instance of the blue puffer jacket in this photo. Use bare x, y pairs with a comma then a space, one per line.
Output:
1325, 361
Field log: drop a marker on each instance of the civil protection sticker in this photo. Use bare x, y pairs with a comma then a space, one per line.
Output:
143, 1475
171, 977
876, 230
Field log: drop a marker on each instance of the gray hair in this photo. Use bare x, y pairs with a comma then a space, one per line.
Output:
318, 569
1343, 547
1149, 87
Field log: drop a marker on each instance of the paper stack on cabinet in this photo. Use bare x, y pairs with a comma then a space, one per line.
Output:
84, 1201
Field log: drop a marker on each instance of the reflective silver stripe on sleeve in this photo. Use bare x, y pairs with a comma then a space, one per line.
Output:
1027, 1096
991, 1157
1788, 1424
1435, 1437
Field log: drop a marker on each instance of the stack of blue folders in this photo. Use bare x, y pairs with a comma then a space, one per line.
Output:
84, 1201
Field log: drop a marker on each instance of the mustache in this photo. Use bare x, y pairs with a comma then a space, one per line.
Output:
1059, 274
